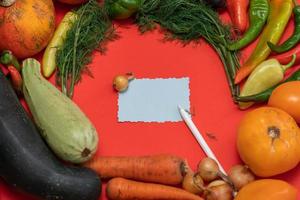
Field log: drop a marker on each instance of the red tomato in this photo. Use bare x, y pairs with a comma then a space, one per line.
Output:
287, 97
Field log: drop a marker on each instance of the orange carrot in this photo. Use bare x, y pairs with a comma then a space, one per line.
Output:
123, 189
166, 169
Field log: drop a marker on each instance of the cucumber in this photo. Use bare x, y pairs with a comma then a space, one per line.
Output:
27, 163
65, 128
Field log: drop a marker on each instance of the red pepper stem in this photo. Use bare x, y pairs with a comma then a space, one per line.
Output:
291, 63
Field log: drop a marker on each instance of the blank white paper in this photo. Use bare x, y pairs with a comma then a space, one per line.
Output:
154, 100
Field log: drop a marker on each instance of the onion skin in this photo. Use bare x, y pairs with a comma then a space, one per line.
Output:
193, 183
240, 176
208, 169
218, 190
120, 83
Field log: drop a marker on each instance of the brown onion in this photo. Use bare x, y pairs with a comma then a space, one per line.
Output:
240, 176
218, 190
120, 82
193, 183
208, 169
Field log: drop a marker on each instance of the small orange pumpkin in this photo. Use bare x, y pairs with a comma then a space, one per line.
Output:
265, 189
26, 26
268, 141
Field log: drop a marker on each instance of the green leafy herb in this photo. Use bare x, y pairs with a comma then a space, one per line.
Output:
189, 20
89, 32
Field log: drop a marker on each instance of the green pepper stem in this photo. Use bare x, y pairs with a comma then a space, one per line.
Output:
291, 63
7, 58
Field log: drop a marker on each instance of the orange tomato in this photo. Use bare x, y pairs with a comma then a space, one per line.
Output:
268, 141
26, 27
287, 98
267, 189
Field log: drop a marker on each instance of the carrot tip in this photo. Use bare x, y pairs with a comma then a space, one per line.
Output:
237, 80
243, 73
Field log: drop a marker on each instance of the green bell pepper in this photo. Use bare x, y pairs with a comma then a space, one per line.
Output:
122, 9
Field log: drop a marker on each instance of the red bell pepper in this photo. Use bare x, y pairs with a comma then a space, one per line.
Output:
238, 13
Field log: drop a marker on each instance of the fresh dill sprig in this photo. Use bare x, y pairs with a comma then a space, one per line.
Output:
89, 32
189, 20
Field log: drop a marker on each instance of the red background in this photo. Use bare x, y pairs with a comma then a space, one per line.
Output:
147, 56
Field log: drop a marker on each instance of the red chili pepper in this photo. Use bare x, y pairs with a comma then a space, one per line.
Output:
287, 56
16, 79
238, 13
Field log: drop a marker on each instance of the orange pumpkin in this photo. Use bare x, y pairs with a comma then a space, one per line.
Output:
72, 2
27, 26
267, 189
268, 141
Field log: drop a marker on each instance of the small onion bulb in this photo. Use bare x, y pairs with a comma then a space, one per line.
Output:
208, 169
121, 82
218, 190
193, 183
240, 176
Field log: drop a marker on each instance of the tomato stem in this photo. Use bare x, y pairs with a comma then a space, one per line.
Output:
273, 132
7, 3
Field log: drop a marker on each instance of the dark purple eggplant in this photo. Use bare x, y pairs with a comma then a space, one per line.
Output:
28, 164
216, 3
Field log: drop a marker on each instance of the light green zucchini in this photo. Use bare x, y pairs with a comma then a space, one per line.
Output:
65, 128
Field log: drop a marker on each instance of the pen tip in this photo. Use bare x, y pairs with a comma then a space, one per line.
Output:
179, 107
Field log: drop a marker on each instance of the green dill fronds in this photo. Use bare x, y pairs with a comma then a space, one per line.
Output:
190, 20
89, 32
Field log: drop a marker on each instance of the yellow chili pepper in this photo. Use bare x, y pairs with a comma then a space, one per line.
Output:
267, 74
280, 13
49, 58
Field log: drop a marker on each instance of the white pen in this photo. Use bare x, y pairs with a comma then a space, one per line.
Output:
209, 153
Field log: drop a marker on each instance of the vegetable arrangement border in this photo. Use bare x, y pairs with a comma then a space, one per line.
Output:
192, 21
89, 28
